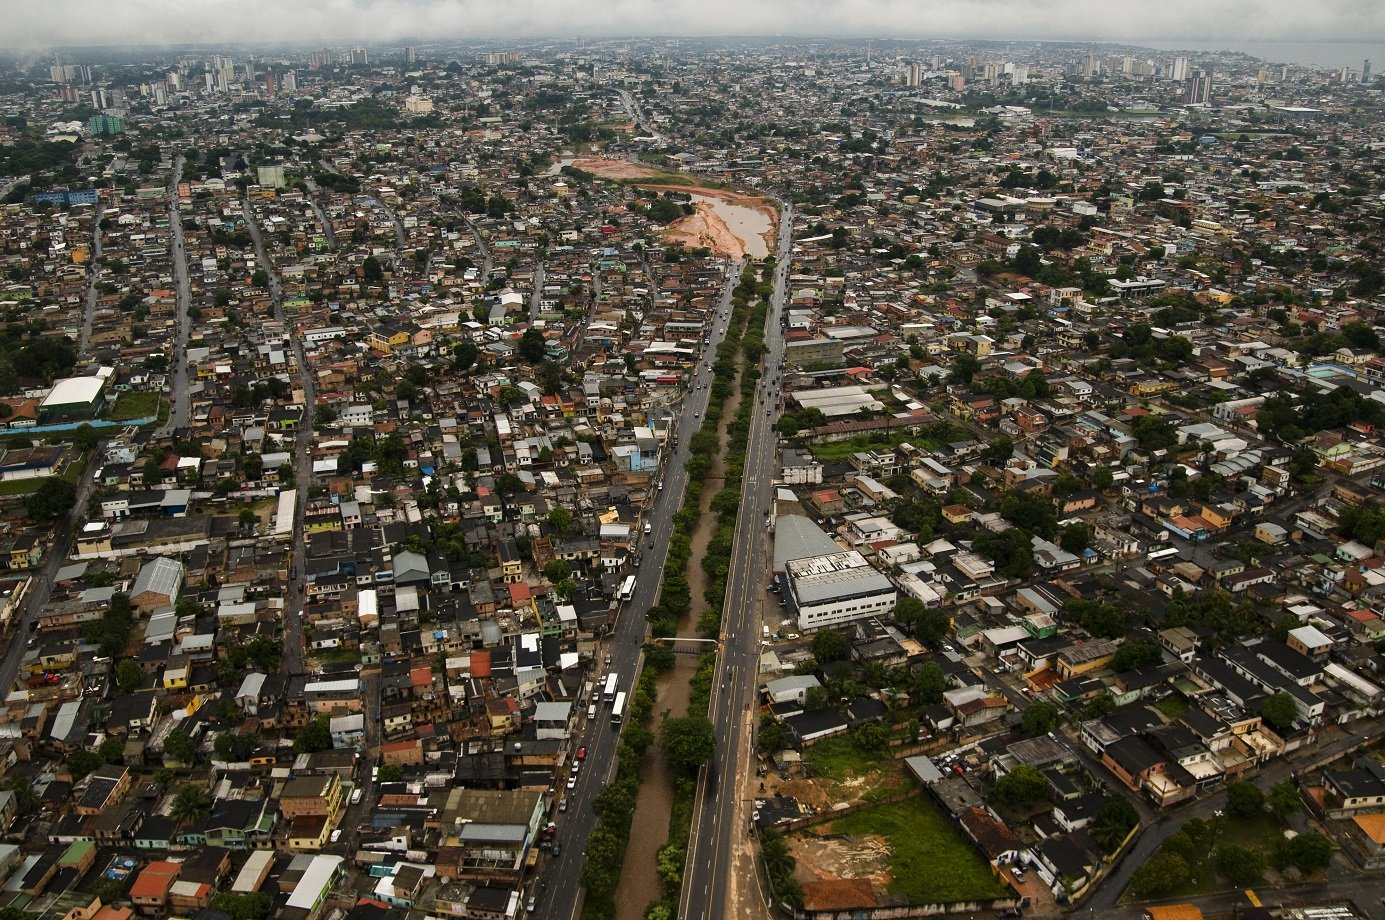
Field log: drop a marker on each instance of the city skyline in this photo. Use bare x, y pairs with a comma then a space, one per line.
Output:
85, 23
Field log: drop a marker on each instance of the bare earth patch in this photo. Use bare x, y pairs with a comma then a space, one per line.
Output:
836, 857
706, 228
615, 169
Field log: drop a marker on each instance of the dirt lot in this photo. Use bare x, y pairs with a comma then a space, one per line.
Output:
834, 857
705, 228
615, 169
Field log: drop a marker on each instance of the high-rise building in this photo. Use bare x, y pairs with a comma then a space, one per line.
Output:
913, 75
1197, 90
360, 56
410, 55
1366, 71
1178, 71
1091, 65
290, 82
1020, 75
106, 124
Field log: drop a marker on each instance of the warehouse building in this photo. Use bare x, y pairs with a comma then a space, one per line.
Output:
75, 397
828, 590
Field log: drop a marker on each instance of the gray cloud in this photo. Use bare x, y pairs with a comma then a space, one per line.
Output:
125, 22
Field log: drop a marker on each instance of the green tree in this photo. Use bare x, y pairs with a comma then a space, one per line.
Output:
129, 676
254, 905
772, 738
829, 645
1113, 822
1283, 799
1279, 711
688, 742
560, 518
871, 737
1040, 718
179, 745
81, 762
112, 750
1137, 653
1244, 800
235, 747
85, 438
556, 570
1075, 537
1021, 787
313, 737
190, 803
1308, 852
372, 271
929, 684
1161, 875
532, 345
51, 501
1240, 865
391, 773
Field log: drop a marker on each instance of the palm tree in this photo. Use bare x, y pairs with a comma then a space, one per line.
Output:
190, 803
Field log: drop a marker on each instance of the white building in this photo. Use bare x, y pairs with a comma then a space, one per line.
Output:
837, 588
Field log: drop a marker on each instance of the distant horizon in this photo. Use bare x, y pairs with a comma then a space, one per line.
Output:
78, 24
1341, 52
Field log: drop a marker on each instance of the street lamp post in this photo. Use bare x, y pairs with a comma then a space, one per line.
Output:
1212, 843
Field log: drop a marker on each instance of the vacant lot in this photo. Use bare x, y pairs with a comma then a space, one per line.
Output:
845, 773
929, 862
130, 406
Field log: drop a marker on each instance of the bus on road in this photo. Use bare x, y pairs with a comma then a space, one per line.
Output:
609, 694
627, 590
618, 710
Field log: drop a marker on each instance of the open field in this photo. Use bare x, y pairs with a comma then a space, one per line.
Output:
910, 848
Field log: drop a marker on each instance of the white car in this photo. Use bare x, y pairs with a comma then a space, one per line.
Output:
356, 795
572, 781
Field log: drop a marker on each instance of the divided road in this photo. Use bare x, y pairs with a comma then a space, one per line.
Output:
720, 813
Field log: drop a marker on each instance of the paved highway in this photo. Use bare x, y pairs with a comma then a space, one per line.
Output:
720, 815
559, 894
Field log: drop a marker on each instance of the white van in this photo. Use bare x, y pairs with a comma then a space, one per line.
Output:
591, 712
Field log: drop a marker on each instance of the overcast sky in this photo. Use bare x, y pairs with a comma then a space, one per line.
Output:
35, 24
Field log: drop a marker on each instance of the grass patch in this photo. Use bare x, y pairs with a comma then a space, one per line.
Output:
846, 773
1172, 707
131, 405
929, 860
20, 486
840, 758
841, 450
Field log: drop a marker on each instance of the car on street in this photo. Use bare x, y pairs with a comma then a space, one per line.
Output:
581, 753
356, 795
562, 806
572, 781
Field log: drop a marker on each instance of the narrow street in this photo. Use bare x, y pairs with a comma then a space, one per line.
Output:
311, 198
178, 363
89, 317
303, 473
41, 584
536, 298
487, 257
